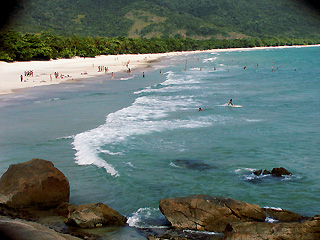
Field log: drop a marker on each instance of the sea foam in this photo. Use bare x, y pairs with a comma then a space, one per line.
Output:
147, 114
147, 218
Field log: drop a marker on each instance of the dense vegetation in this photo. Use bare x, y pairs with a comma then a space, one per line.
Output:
15, 46
198, 19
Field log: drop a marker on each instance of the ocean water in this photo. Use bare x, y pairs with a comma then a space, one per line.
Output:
133, 142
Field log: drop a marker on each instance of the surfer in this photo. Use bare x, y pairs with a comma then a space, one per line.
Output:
230, 102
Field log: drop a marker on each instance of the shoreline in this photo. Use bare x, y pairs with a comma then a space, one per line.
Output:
68, 70
78, 68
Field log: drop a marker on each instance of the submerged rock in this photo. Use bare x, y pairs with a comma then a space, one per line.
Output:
206, 213
94, 215
192, 164
36, 183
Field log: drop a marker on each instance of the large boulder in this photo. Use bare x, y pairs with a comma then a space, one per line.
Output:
94, 215
307, 230
36, 183
206, 213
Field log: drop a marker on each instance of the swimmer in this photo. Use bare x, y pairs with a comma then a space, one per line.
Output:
200, 109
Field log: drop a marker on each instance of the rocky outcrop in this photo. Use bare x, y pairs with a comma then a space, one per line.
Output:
260, 172
235, 219
206, 213
307, 230
36, 183
283, 215
276, 172
94, 215
37, 191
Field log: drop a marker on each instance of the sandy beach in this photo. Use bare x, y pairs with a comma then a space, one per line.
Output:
68, 70
13, 77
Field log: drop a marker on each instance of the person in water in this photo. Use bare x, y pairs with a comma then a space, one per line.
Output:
200, 109
230, 102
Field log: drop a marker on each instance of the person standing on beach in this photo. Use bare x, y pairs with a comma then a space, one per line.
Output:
21, 78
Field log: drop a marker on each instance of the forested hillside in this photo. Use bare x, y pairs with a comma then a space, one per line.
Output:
199, 19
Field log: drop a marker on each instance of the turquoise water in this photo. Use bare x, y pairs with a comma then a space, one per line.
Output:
132, 142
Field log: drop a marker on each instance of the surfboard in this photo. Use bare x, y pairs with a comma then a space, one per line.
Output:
226, 105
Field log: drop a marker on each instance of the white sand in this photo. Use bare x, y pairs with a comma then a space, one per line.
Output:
76, 67
71, 69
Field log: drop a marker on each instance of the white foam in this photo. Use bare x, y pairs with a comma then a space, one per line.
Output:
241, 170
201, 232
144, 116
290, 177
109, 152
168, 89
127, 78
177, 79
174, 83
210, 59
130, 164
270, 220
141, 217
254, 120
48, 100
149, 113
273, 208
174, 165
66, 137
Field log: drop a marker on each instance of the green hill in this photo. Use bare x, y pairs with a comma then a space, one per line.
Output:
199, 19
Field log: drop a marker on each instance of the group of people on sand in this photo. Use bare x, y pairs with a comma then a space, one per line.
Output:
56, 74
103, 69
28, 73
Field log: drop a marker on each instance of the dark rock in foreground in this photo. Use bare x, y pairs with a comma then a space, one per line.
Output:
174, 234
37, 191
94, 215
235, 219
307, 230
23, 230
206, 213
36, 183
